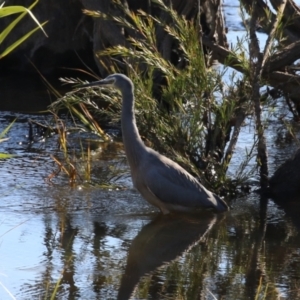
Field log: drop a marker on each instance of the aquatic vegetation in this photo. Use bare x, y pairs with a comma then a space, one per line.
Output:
186, 109
190, 117
3, 139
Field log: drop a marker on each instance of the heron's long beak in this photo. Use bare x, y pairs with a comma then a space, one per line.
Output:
103, 82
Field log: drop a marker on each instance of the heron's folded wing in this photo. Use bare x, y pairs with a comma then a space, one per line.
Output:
175, 186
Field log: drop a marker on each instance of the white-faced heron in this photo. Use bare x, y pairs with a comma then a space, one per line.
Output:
161, 181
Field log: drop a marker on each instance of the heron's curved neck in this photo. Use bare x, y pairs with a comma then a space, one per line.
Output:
134, 146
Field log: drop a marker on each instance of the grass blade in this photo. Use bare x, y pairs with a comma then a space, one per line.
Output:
19, 41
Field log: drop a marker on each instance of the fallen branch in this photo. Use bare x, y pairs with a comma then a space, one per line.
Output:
287, 82
283, 58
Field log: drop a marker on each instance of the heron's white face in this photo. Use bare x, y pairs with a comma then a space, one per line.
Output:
119, 81
108, 81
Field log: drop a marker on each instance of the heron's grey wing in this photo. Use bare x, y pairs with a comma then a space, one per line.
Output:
172, 184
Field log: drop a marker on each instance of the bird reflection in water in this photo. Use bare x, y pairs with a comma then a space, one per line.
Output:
161, 241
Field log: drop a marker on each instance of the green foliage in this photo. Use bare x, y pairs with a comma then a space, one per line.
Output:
193, 110
10, 10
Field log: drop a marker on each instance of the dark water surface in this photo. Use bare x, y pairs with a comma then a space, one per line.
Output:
106, 242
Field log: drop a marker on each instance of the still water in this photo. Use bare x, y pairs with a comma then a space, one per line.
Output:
105, 242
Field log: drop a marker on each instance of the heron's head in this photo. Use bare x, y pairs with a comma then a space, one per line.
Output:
119, 81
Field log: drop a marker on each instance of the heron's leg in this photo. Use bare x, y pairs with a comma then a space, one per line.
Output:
164, 210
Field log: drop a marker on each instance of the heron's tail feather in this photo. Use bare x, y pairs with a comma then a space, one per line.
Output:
221, 204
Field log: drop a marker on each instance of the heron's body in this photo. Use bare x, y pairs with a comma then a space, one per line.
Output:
168, 186
161, 181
